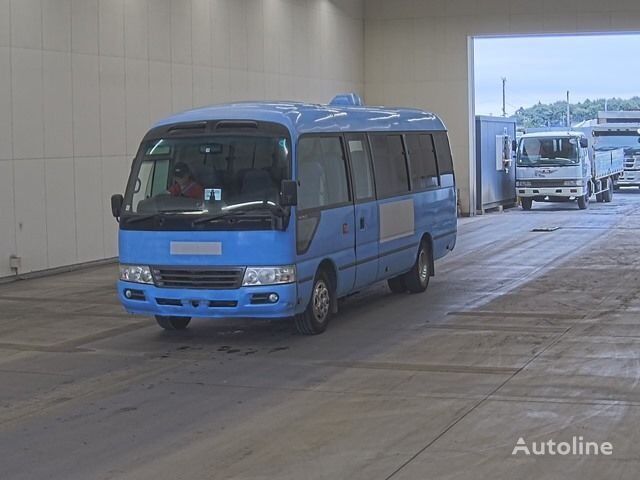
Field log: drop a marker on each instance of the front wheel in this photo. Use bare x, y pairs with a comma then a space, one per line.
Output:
583, 201
417, 279
173, 323
607, 195
315, 318
527, 203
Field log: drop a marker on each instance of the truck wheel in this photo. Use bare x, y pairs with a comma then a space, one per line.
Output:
599, 197
417, 279
315, 318
397, 285
607, 195
173, 323
583, 201
527, 203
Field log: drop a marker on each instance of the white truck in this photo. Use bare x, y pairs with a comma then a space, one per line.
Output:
626, 137
562, 166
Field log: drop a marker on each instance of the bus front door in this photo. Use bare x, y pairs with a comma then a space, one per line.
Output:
365, 211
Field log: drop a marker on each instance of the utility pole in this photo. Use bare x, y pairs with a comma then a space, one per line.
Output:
568, 111
504, 96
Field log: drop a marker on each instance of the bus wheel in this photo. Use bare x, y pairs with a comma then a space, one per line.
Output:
397, 285
607, 195
173, 323
527, 203
315, 318
417, 279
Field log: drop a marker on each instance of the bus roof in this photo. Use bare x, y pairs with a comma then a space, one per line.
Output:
302, 118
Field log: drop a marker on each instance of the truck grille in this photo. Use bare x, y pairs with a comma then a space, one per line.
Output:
632, 162
218, 278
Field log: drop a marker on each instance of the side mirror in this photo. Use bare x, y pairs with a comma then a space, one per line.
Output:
288, 193
584, 143
116, 204
514, 145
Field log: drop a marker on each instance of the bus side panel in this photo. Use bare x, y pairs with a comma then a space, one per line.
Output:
398, 243
326, 235
436, 215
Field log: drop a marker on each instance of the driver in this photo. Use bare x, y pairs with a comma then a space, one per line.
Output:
184, 185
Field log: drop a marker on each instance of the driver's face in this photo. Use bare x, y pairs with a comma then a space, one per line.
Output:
182, 181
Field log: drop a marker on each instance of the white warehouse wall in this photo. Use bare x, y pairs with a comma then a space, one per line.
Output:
416, 53
81, 81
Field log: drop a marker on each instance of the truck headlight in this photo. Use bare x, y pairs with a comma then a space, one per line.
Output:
136, 274
520, 183
255, 276
572, 183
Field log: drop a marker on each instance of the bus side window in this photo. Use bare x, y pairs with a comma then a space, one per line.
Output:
322, 174
422, 159
362, 175
390, 167
445, 163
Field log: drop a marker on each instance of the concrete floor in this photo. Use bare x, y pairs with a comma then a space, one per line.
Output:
521, 334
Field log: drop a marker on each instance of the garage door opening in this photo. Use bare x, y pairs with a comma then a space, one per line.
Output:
542, 83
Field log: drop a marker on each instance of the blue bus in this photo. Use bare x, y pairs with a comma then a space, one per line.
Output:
278, 209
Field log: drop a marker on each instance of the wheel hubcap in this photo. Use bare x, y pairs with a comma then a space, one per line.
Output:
321, 301
423, 266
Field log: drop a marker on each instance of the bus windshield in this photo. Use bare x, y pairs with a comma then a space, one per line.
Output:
208, 174
546, 151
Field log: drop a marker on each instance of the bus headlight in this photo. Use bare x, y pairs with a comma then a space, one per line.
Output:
136, 274
255, 276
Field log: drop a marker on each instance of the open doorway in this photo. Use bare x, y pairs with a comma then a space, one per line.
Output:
524, 84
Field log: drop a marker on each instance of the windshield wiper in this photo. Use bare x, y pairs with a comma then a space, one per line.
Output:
275, 210
142, 218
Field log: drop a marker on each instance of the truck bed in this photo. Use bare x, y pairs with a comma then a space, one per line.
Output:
607, 162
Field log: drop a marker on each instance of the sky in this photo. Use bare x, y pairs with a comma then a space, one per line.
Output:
544, 68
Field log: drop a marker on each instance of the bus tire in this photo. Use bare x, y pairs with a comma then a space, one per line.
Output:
607, 195
526, 203
397, 285
316, 316
417, 279
173, 323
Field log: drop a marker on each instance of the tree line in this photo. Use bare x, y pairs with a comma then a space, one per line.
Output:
554, 114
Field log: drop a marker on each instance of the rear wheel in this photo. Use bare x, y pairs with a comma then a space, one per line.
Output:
397, 285
607, 195
417, 279
173, 323
527, 203
315, 318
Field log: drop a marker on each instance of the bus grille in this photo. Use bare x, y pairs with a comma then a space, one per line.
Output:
219, 278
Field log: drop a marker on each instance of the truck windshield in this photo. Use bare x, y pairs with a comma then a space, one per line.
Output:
543, 151
609, 140
208, 174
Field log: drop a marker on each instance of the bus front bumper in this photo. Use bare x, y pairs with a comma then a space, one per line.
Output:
550, 191
245, 302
